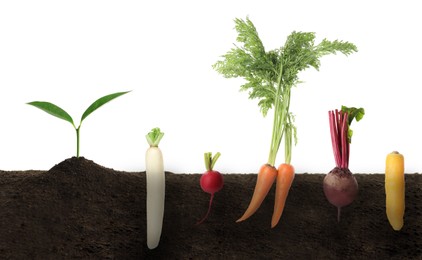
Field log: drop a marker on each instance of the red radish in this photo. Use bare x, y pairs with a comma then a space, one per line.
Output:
211, 181
340, 186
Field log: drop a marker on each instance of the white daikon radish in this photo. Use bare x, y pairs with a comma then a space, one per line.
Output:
155, 188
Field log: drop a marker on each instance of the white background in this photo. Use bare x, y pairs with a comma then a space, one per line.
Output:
72, 52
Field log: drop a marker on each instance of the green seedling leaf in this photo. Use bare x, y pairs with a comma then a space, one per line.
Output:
60, 113
52, 110
154, 137
99, 102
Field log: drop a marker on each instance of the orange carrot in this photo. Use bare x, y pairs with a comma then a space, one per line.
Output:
285, 176
266, 177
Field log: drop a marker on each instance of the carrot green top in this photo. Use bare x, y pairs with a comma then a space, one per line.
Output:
270, 75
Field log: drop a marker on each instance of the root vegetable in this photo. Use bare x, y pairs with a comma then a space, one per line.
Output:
211, 181
339, 185
285, 176
340, 188
395, 189
155, 188
266, 177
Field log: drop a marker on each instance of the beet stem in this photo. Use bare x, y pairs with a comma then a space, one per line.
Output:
339, 137
343, 142
346, 141
334, 136
208, 212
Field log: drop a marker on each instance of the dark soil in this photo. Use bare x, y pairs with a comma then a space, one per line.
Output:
79, 209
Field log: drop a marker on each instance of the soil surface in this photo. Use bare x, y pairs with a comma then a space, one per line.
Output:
80, 209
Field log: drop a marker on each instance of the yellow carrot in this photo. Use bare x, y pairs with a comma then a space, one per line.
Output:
394, 189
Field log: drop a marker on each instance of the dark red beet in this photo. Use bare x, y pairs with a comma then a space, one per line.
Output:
340, 188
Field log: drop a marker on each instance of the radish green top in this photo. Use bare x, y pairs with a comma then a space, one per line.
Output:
60, 113
210, 160
270, 75
154, 137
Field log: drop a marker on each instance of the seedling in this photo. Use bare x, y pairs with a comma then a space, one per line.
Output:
60, 113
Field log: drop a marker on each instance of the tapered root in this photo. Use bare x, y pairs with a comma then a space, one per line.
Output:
208, 212
338, 213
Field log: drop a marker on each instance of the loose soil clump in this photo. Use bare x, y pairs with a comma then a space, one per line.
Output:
79, 209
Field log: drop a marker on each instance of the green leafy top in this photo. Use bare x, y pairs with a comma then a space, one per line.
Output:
154, 137
210, 160
261, 69
271, 74
252, 63
353, 113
